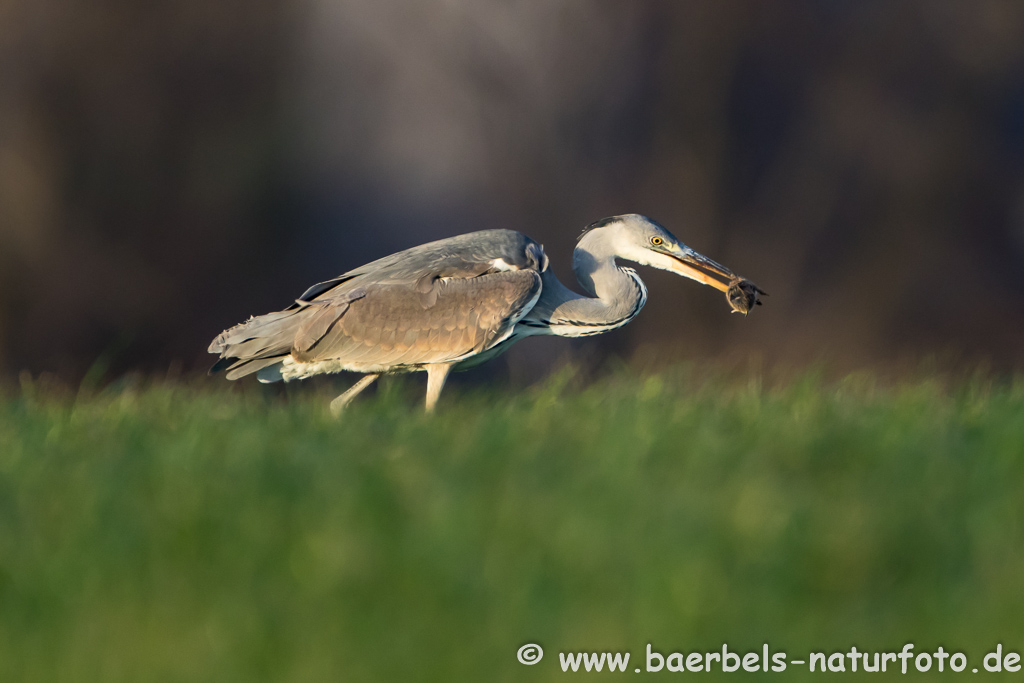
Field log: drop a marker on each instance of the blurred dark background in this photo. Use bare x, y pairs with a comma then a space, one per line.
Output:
169, 168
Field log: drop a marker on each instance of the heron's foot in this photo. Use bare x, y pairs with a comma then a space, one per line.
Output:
338, 404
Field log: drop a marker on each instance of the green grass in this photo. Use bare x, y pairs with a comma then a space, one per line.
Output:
195, 534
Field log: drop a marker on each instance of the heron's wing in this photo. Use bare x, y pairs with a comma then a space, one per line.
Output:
431, 303
414, 324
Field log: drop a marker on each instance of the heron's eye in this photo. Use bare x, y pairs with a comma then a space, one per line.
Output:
657, 241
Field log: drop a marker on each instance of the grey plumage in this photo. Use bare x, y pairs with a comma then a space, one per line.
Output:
454, 303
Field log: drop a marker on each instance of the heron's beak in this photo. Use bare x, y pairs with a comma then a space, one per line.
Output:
689, 263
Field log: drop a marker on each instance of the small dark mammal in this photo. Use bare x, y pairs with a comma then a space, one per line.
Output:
743, 295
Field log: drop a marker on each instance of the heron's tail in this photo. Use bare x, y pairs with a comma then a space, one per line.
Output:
257, 345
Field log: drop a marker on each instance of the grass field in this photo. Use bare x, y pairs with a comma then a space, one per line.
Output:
175, 533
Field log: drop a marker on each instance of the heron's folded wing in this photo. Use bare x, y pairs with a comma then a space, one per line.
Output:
411, 324
321, 316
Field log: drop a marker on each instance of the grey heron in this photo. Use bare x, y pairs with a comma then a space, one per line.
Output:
457, 302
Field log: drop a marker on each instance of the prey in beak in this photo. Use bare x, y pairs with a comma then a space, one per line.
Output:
741, 294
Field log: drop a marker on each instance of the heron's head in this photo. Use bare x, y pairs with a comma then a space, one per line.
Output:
637, 238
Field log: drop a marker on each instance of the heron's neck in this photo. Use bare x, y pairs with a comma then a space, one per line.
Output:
616, 294
593, 261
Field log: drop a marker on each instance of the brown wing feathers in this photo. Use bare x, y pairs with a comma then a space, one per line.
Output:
325, 312
398, 325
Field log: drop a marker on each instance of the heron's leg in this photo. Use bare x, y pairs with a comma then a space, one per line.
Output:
338, 404
437, 373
